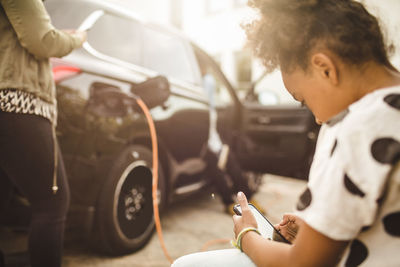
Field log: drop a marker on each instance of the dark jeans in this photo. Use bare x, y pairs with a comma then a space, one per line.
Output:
27, 162
230, 181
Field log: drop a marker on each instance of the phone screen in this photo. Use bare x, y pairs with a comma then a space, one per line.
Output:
267, 230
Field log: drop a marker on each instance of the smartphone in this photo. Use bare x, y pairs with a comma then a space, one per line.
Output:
267, 230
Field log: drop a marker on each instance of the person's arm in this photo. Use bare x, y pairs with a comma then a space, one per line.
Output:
35, 31
310, 248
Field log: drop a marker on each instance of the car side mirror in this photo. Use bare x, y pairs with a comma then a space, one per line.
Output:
154, 91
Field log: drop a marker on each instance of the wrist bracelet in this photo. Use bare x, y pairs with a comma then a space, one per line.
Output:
238, 242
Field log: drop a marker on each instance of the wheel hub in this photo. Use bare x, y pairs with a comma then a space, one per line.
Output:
134, 208
134, 200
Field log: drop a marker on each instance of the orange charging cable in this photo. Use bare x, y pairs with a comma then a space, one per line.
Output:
154, 145
157, 220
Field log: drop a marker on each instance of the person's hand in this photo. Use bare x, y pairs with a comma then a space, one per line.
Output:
81, 34
69, 31
247, 219
289, 226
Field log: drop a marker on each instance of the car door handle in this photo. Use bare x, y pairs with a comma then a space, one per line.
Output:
263, 120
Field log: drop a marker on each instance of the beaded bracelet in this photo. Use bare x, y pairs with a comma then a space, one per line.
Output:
238, 242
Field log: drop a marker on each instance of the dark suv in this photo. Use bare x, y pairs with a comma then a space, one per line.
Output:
106, 143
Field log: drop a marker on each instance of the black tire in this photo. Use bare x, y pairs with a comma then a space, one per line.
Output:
124, 216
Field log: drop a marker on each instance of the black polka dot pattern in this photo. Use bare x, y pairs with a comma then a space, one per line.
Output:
334, 147
393, 100
386, 150
358, 254
365, 228
391, 224
305, 200
351, 187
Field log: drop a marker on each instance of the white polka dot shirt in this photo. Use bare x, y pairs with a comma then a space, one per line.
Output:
354, 191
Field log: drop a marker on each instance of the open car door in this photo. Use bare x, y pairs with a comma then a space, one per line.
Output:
266, 139
276, 139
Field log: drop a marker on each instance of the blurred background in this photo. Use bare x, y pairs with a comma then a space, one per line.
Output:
214, 25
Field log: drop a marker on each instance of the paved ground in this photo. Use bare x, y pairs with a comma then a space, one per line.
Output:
188, 226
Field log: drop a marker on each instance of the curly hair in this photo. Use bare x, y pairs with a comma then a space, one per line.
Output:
288, 30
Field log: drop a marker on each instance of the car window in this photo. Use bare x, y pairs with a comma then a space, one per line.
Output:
135, 43
117, 37
167, 54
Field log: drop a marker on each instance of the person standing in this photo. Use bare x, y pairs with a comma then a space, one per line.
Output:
29, 155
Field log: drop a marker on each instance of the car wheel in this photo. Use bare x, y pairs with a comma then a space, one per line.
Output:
124, 218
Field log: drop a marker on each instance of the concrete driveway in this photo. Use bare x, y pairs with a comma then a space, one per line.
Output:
192, 225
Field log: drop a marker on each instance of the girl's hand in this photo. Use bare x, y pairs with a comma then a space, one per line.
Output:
247, 219
289, 226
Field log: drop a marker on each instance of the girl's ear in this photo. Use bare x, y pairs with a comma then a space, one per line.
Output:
325, 67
